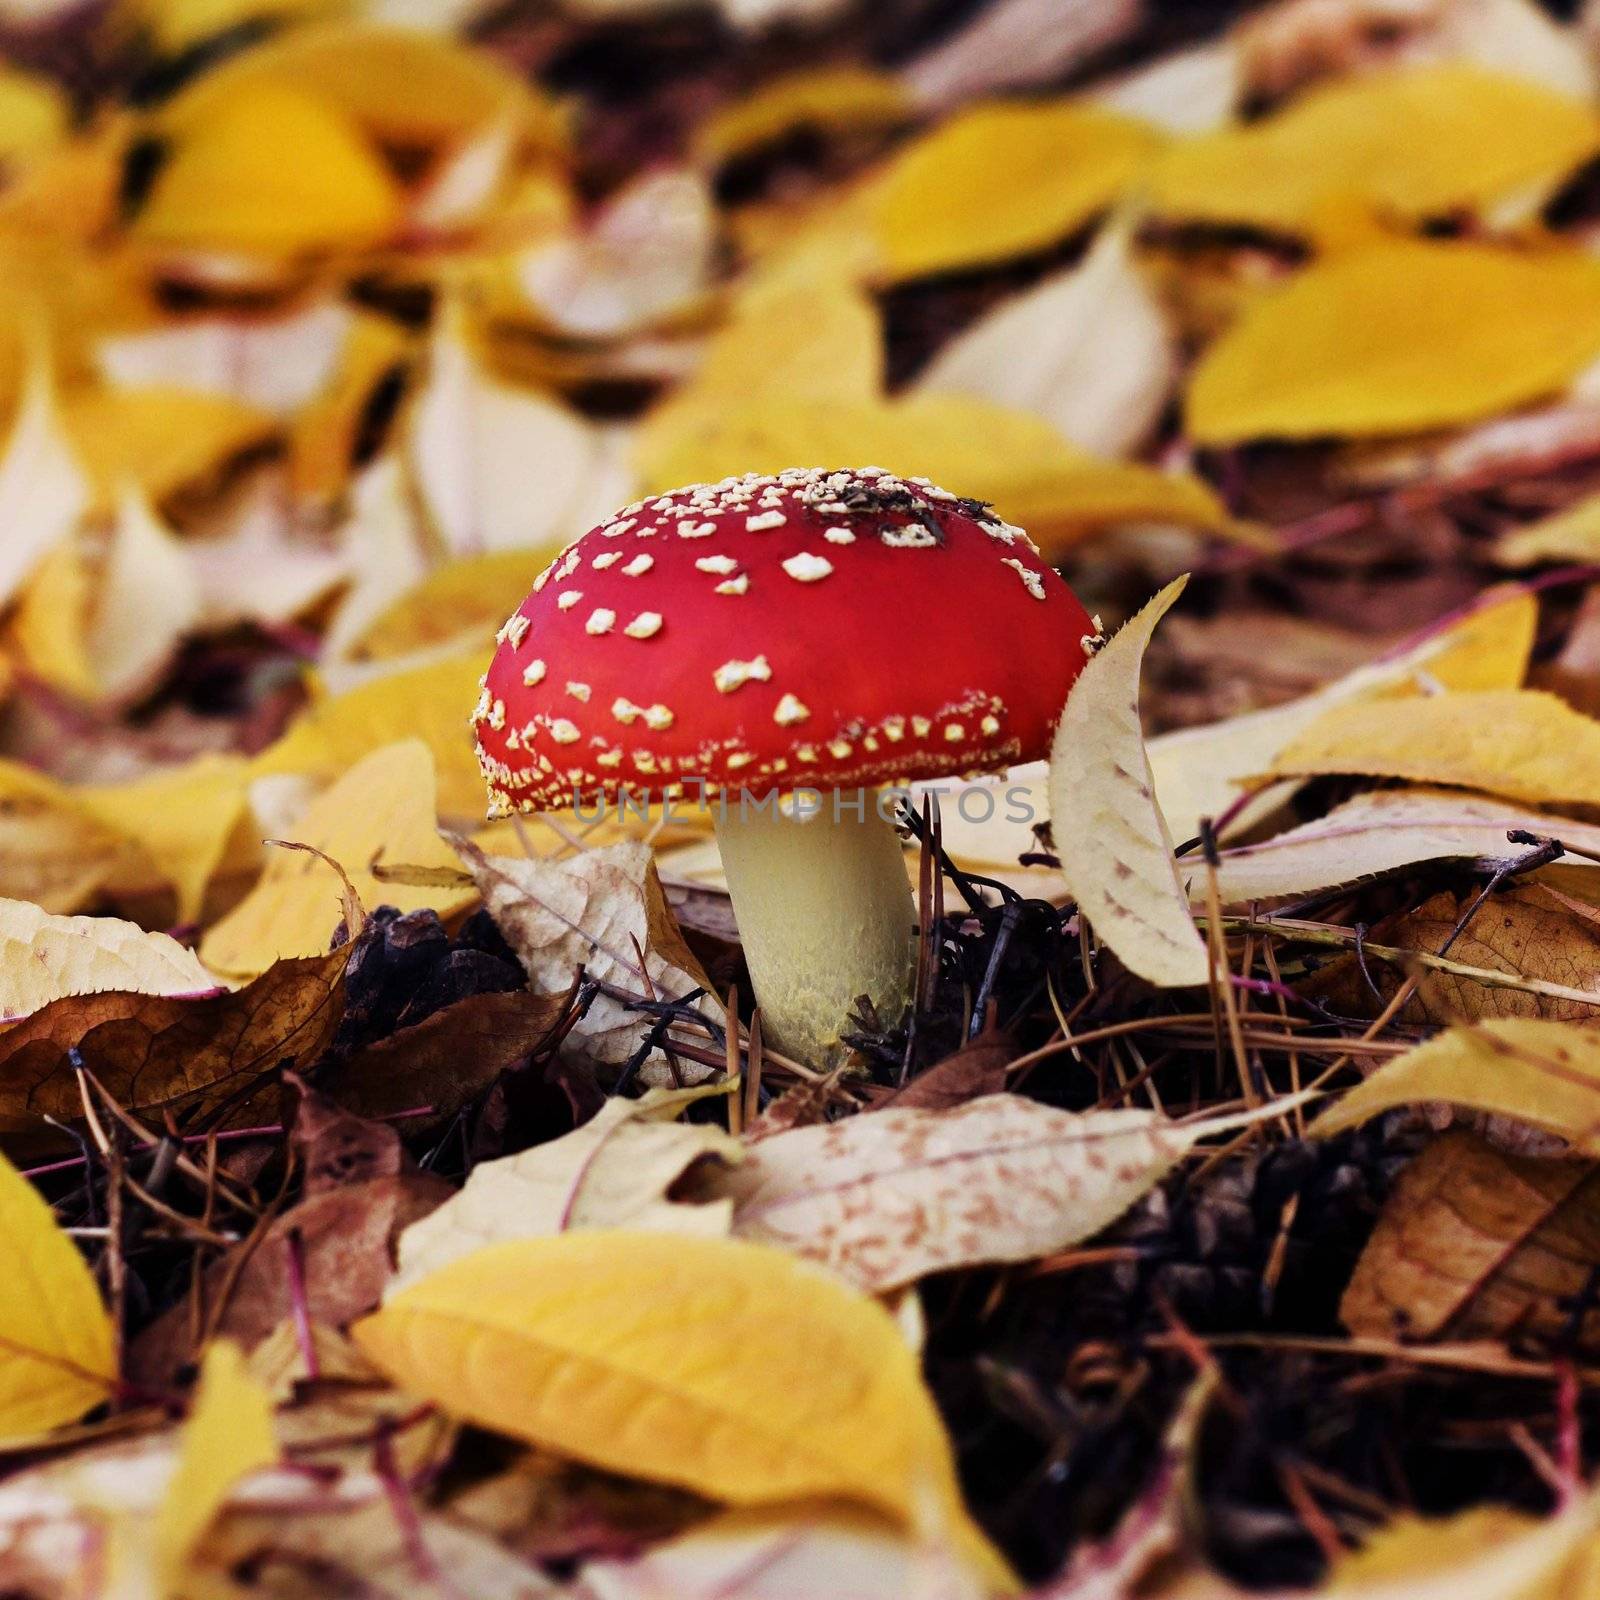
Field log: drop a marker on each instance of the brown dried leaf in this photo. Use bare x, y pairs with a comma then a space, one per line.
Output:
977, 1068
1525, 931
157, 1053
1475, 1243
346, 1249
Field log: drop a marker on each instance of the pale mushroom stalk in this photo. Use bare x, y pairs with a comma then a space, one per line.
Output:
825, 916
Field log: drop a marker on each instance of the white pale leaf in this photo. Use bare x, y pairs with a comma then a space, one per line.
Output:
1518, 38
799, 1554
258, 567
648, 254
1088, 349
44, 958
43, 490
500, 468
1105, 818
382, 543
891, 1196
149, 598
1190, 91
274, 363
613, 1172
1381, 832
468, 179
591, 910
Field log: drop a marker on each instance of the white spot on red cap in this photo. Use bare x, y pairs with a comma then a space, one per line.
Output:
533, 673
721, 565
570, 599
807, 567
601, 620
732, 675
606, 558
578, 691
838, 536
790, 710
564, 732
640, 564
1031, 581
763, 520
644, 626
735, 585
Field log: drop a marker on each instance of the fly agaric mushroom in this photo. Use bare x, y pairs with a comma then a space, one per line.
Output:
818, 631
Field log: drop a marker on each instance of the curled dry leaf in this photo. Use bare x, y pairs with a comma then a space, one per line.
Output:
152, 1051
45, 958
1089, 350
890, 1196
1381, 832
382, 807
1523, 743
1200, 772
596, 910
1110, 835
749, 1377
56, 1347
1546, 1074
613, 1172
1476, 1243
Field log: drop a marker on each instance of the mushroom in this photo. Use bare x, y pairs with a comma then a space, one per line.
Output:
812, 634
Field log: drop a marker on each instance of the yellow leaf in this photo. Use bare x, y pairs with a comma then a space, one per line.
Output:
272, 171
845, 99
1200, 772
474, 595
1112, 840
382, 807
1540, 1072
182, 819
1396, 339
1419, 143
52, 852
1522, 743
56, 1354
229, 1434
730, 1369
428, 702
1572, 534
1018, 461
1002, 180
33, 115
161, 438
51, 622
175, 25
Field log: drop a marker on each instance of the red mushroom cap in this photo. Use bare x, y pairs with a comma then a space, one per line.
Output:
814, 628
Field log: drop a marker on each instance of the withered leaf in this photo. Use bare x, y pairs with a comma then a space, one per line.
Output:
345, 1243
443, 1061
157, 1053
977, 1068
1476, 1243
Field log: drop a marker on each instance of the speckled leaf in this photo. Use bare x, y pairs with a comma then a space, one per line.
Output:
886, 1198
1110, 835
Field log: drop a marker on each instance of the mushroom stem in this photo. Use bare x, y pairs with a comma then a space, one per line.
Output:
825, 916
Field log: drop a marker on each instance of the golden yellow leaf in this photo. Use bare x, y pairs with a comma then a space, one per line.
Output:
1200, 772
51, 621
728, 1368
160, 438
52, 852
229, 1434
1571, 534
1398, 338
474, 595
1536, 1071
56, 1354
382, 807
845, 99
33, 114
1111, 838
182, 819
1525, 744
414, 702
1422, 142
1001, 180
271, 170
1021, 463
